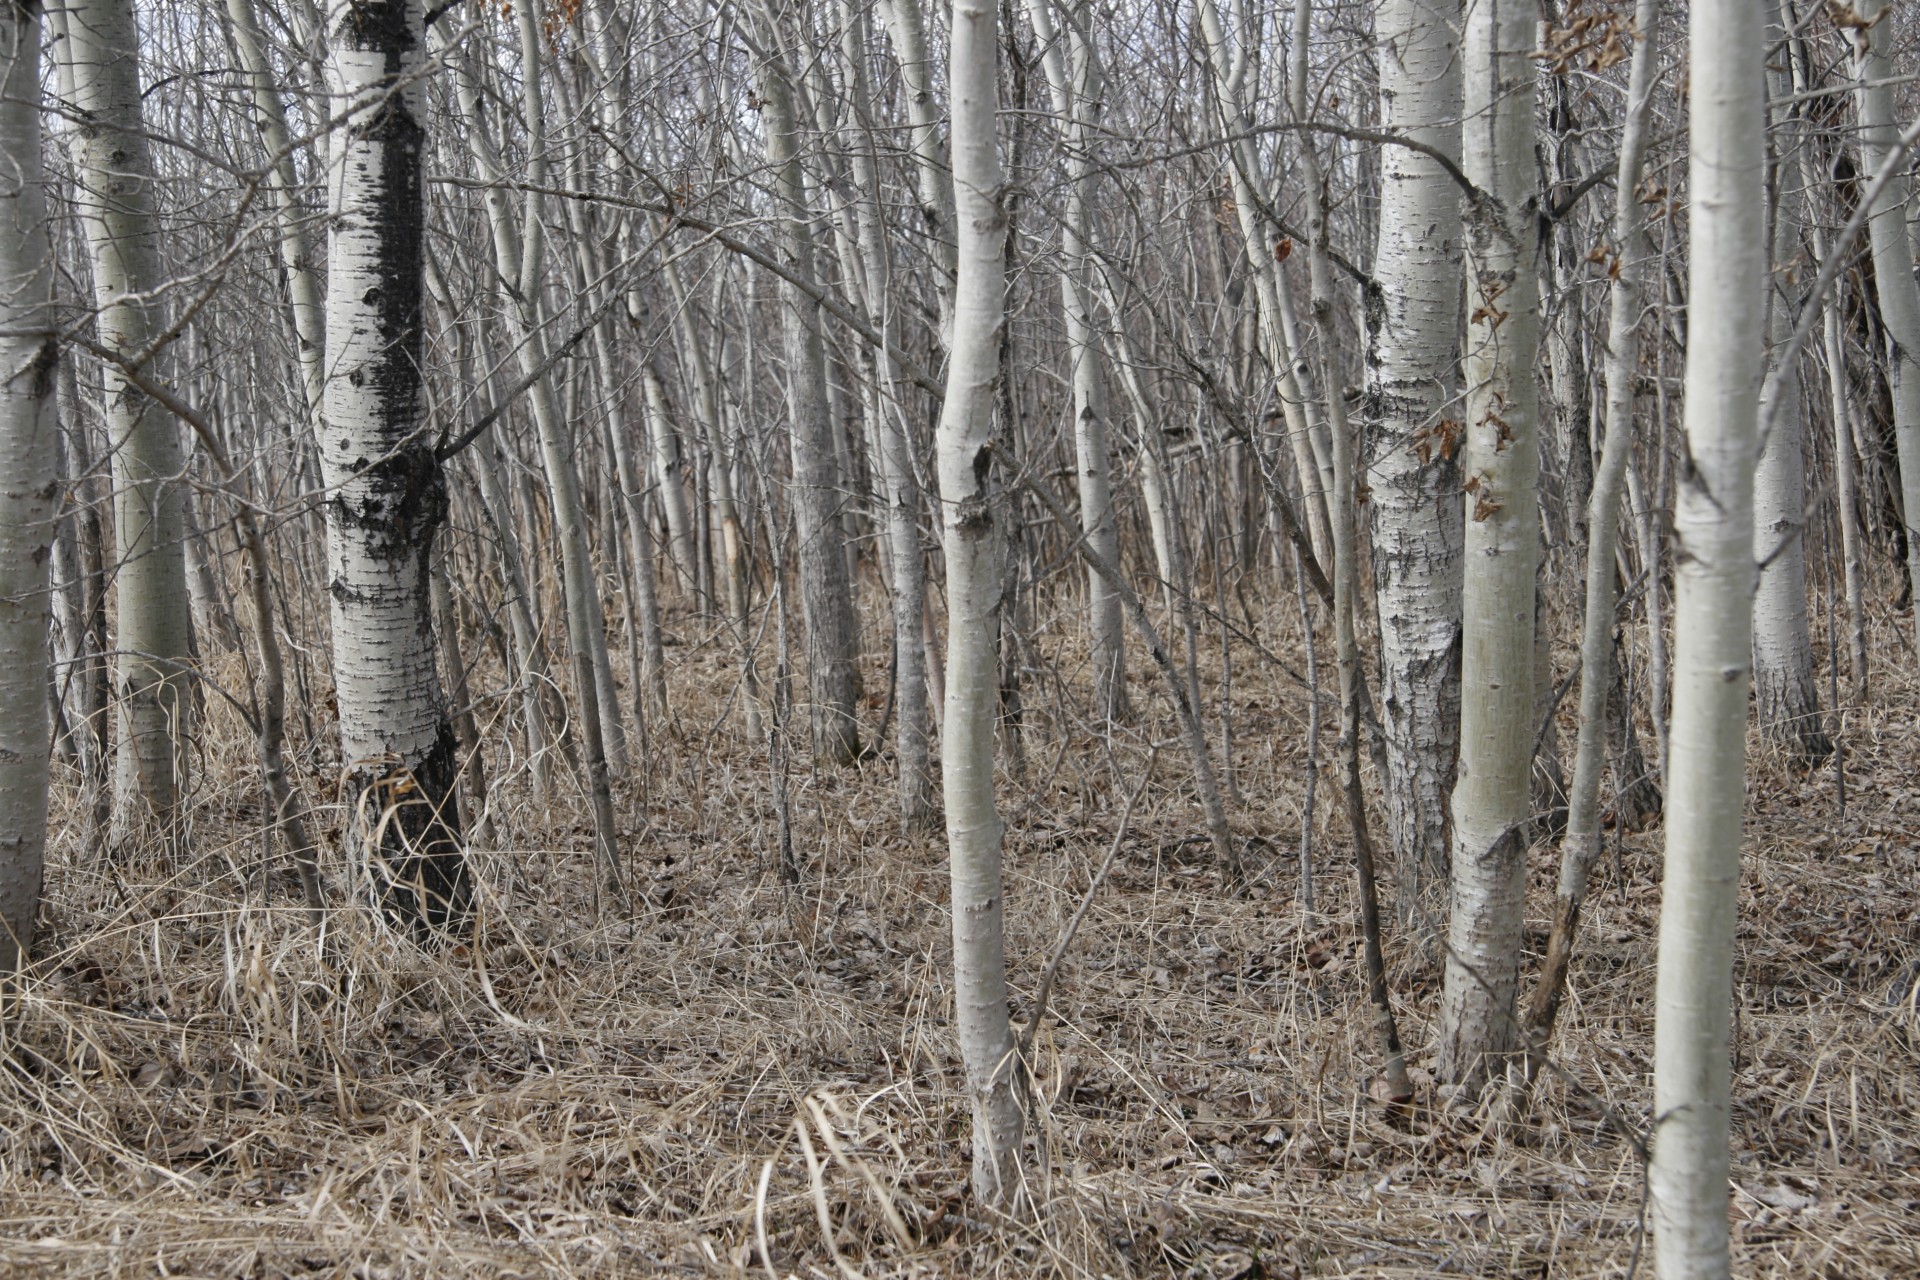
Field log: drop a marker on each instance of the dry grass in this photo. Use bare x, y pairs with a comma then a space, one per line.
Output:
201, 1087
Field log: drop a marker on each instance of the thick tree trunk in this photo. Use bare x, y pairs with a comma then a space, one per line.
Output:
1499, 712
1413, 437
973, 545
387, 493
154, 632
29, 486
1713, 594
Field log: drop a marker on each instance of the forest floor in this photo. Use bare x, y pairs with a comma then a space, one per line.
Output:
199, 1086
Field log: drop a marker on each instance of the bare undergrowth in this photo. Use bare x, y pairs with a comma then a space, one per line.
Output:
727, 1077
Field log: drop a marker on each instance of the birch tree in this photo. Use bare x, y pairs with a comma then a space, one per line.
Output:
29, 483
1498, 712
1346, 578
1713, 588
387, 494
964, 452
101, 77
1414, 434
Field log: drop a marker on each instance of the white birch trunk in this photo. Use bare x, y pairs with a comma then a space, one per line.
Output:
29, 484
1346, 576
1413, 436
965, 460
387, 493
1892, 260
115, 197
1845, 494
1713, 654
1498, 712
